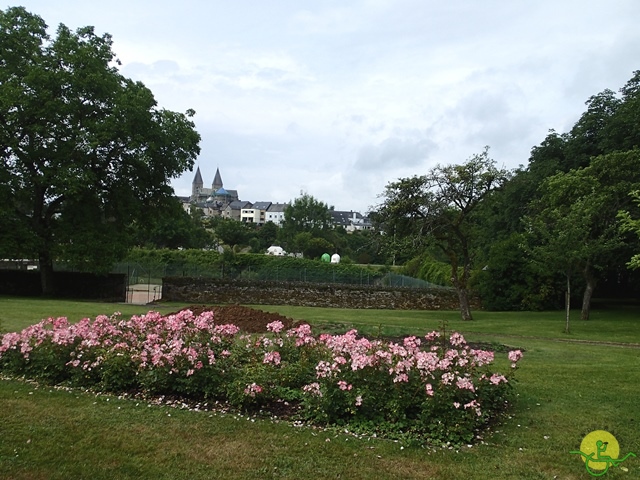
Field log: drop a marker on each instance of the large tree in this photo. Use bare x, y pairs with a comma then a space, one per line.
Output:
305, 214
440, 208
574, 220
85, 152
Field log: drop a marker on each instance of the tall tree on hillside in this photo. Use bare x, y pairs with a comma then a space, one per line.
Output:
440, 208
305, 214
576, 217
85, 152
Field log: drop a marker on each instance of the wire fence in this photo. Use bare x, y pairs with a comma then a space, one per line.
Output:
153, 274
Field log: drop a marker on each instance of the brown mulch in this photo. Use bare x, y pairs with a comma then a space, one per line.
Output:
249, 320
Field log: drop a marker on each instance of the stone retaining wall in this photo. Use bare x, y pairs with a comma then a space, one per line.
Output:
218, 291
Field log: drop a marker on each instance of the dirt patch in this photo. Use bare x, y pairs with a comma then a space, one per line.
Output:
248, 320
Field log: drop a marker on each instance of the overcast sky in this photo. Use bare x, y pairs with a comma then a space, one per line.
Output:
339, 98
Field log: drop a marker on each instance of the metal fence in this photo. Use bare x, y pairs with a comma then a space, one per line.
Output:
139, 274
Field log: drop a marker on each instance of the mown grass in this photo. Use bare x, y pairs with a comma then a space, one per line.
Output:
566, 389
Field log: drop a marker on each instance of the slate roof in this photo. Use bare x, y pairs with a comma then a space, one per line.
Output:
261, 205
239, 205
277, 207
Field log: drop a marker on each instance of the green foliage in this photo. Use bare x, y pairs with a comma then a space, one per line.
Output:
441, 208
425, 391
231, 232
208, 263
100, 152
305, 214
427, 268
509, 281
586, 175
175, 228
630, 224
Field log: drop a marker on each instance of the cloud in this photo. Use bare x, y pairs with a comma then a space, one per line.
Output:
395, 153
340, 97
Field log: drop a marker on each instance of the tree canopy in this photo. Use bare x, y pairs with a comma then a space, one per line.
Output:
439, 208
85, 151
305, 214
566, 201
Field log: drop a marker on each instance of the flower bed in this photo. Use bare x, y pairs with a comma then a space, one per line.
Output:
433, 388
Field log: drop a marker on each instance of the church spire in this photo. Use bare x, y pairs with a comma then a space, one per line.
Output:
197, 184
217, 181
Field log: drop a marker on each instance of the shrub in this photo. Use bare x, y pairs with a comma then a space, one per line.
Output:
431, 388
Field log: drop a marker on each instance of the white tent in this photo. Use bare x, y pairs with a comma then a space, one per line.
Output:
275, 250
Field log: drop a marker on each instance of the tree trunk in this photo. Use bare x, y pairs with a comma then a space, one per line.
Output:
461, 287
465, 308
46, 274
567, 302
588, 293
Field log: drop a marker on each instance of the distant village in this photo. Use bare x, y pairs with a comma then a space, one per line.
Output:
218, 201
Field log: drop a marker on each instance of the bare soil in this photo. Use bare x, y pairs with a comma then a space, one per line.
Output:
249, 320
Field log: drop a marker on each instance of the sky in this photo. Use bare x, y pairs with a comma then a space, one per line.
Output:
337, 99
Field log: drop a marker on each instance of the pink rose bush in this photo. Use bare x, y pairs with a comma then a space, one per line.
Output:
428, 387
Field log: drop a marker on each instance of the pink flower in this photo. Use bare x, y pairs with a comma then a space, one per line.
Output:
430, 337
252, 390
358, 400
429, 389
463, 383
275, 327
447, 378
272, 357
457, 339
403, 377
313, 389
482, 357
344, 385
515, 355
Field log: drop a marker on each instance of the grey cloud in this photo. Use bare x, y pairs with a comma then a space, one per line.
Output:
394, 152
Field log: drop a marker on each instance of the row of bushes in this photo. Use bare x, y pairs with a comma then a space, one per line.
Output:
202, 263
432, 388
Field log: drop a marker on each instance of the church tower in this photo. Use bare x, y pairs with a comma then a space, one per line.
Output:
217, 181
196, 185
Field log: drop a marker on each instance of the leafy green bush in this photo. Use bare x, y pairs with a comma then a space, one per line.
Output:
436, 389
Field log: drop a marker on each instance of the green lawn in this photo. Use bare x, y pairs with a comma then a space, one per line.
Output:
567, 388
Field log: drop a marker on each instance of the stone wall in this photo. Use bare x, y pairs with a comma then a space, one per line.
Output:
217, 291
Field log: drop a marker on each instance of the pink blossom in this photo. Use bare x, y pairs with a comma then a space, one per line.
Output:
272, 357
464, 383
313, 389
412, 343
482, 357
429, 389
515, 355
456, 339
447, 378
430, 337
497, 379
344, 385
402, 377
253, 389
358, 400
275, 327
323, 369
